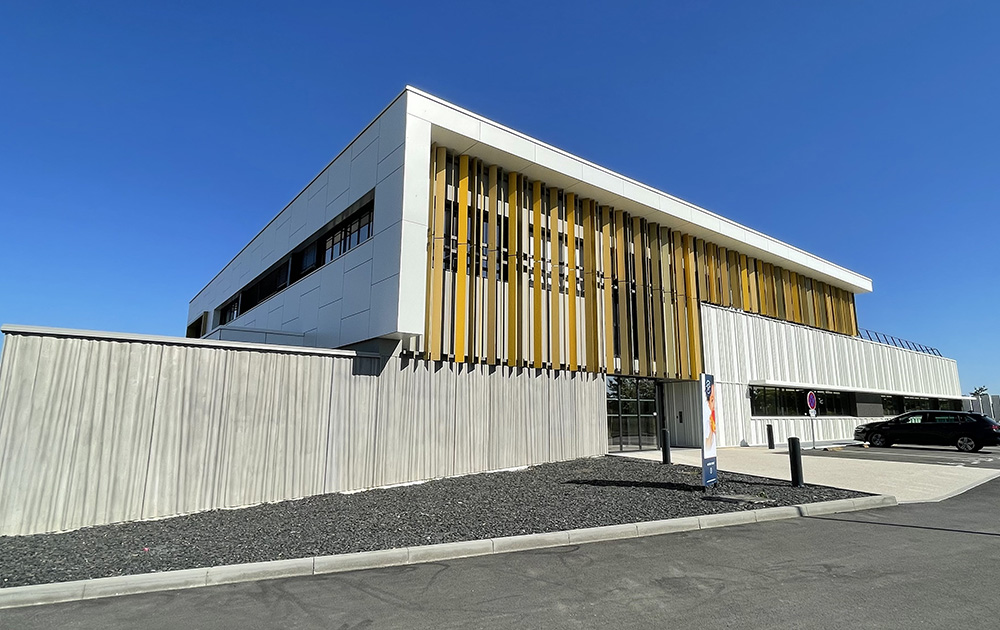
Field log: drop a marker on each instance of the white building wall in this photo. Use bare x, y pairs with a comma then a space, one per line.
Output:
355, 297
379, 290
743, 349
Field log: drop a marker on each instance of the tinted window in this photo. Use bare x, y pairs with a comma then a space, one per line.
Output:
949, 418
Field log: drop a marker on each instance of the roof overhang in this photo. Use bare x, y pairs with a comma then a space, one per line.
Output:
466, 132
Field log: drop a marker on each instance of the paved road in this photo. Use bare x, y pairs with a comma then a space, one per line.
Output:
989, 457
915, 566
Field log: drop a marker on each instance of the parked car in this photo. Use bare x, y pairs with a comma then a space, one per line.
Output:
964, 430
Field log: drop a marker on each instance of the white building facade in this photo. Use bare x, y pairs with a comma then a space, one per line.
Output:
378, 292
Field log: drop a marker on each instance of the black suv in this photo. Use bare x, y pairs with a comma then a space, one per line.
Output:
965, 430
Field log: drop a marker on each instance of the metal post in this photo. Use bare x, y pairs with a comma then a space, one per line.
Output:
665, 444
795, 459
770, 437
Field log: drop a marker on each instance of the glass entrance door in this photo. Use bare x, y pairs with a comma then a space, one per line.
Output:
631, 413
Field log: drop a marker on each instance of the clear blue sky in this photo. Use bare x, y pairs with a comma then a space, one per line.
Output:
143, 144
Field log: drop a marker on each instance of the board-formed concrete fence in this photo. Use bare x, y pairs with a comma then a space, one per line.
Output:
99, 428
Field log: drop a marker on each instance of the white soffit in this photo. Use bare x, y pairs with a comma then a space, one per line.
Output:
466, 132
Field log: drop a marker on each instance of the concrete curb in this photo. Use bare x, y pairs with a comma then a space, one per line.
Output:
17, 596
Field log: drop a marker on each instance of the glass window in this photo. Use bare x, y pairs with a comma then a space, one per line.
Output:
788, 402
611, 386
770, 401
757, 401
944, 418
647, 389
892, 405
230, 312
308, 259
916, 404
950, 405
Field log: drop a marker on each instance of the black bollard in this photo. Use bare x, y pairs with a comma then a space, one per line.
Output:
665, 444
795, 459
770, 437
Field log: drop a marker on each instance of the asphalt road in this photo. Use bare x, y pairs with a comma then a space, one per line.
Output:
989, 457
914, 566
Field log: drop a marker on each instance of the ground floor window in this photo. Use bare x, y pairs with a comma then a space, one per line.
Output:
787, 401
632, 413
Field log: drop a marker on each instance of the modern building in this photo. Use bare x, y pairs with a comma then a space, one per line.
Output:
447, 296
448, 237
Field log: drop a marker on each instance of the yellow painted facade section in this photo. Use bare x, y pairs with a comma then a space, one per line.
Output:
571, 279
538, 360
508, 284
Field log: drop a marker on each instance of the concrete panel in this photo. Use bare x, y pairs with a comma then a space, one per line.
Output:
331, 282
274, 313
559, 161
384, 307
357, 289
389, 201
328, 325
354, 328
364, 167
338, 177
247, 336
507, 141
309, 309
391, 163
392, 128
284, 338
358, 256
386, 253
365, 140
335, 207
417, 165
442, 115
290, 307
412, 280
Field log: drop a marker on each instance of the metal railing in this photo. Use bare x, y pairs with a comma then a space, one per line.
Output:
889, 340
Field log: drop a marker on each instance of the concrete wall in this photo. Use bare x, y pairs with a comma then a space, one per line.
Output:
356, 296
743, 349
99, 428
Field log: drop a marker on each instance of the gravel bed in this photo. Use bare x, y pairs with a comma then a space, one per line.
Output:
550, 497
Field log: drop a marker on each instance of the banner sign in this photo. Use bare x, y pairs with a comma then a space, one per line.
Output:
709, 470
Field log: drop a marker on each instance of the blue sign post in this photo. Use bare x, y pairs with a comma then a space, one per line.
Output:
709, 467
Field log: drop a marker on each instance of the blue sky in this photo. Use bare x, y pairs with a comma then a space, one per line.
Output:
143, 144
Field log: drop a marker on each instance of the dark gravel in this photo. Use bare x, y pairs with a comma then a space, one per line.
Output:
550, 497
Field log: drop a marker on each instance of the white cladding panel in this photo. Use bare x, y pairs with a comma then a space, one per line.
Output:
743, 348
97, 431
373, 160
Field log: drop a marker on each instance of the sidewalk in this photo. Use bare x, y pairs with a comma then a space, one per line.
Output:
908, 482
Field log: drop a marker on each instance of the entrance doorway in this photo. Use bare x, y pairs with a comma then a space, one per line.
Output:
632, 413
